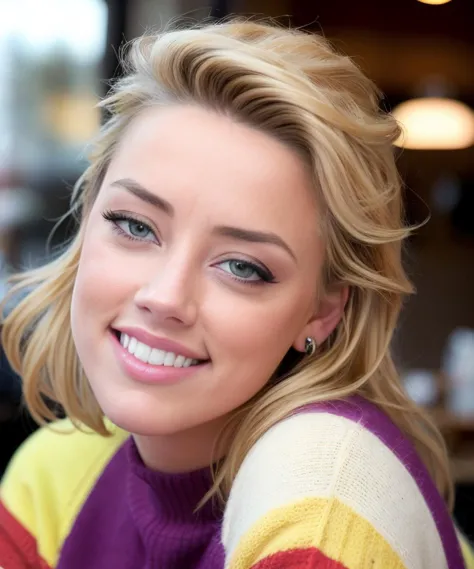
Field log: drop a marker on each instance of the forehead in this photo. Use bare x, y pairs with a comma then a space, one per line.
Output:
200, 160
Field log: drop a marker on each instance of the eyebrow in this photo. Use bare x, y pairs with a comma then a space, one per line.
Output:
253, 237
145, 195
239, 233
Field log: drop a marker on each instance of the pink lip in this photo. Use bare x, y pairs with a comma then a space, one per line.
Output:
159, 343
147, 373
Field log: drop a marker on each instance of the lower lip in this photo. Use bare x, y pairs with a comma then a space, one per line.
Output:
147, 373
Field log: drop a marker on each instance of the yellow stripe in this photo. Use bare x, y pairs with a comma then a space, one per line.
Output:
327, 524
467, 551
49, 479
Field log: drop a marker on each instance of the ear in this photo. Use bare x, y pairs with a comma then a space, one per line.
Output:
326, 317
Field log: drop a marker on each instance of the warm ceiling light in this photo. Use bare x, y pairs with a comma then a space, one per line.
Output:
434, 123
434, 2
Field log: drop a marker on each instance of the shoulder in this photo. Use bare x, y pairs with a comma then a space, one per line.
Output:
50, 477
60, 452
343, 474
61, 440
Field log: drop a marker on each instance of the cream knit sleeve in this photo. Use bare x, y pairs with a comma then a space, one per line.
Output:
322, 491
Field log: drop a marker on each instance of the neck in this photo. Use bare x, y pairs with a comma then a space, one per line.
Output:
184, 451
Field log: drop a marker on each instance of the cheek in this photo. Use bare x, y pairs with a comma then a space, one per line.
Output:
250, 339
92, 281
99, 287
258, 334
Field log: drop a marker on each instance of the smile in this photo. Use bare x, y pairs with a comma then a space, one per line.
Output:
154, 356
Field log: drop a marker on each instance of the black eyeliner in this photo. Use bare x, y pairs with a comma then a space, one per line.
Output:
262, 272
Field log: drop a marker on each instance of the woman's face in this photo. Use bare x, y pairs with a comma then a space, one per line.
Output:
198, 272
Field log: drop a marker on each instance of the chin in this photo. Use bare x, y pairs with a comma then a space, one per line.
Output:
138, 421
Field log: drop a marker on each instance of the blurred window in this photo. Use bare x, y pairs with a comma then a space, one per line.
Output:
51, 53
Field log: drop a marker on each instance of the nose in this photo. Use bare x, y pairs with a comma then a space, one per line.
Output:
170, 295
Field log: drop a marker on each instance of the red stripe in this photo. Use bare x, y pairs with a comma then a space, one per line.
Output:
310, 558
18, 548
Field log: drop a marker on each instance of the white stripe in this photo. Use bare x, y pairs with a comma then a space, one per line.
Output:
324, 455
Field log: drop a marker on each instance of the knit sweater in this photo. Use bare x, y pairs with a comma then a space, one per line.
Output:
335, 486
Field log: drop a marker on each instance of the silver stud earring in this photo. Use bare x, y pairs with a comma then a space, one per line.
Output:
309, 346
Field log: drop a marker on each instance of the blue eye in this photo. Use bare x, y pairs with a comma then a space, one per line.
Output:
245, 271
129, 227
135, 228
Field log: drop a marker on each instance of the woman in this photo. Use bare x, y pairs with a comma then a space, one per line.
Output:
229, 301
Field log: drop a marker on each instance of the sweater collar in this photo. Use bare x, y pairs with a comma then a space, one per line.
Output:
168, 498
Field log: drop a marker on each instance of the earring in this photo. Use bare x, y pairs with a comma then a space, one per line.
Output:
309, 346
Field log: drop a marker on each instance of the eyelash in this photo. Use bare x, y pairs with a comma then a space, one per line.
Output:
114, 217
265, 275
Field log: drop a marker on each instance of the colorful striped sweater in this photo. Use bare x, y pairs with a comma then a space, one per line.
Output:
335, 486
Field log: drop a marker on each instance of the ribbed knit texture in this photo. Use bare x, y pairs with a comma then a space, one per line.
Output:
18, 548
338, 480
136, 517
335, 486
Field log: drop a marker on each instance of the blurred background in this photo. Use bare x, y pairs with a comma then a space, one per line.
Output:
57, 56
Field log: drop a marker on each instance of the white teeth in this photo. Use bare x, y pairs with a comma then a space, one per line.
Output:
132, 345
169, 359
157, 357
154, 356
142, 352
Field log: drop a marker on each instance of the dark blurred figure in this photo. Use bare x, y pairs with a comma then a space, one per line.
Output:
15, 423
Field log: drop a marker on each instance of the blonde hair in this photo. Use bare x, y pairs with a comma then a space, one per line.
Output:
295, 87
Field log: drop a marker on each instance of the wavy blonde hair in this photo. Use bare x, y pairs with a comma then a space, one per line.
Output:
293, 86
